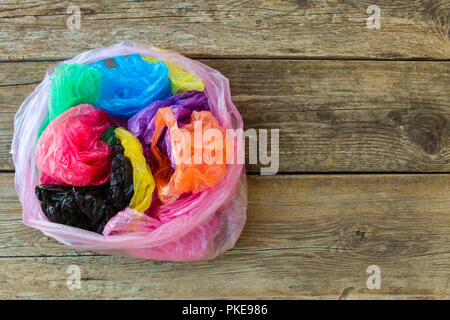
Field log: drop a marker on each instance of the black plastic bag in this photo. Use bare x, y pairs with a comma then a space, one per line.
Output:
121, 183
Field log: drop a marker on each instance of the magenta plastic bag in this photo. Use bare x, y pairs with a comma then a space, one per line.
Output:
71, 150
130, 220
199, 226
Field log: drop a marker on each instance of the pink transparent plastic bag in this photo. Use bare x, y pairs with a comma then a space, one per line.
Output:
197, 227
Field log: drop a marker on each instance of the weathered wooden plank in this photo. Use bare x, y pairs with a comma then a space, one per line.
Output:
333, 115
285, 274
400, 215
307, 236
255, 28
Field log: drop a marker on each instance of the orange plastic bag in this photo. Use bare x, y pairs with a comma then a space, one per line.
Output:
200, 161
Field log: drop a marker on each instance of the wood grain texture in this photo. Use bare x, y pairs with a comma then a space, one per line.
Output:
333, 116
410, 29
307, 236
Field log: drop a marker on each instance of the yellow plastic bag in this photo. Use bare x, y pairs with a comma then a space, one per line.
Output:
143, 182
180, 80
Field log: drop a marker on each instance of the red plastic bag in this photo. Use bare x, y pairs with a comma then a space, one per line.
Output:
71, 151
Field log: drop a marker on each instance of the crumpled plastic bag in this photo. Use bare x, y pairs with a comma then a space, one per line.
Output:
130, 220
121, 183
142, 124
72, 85
215, 230
180, 80
191, 174
90, 208
142, 176
196, 226
45, 179
82, 207
70, 149
130, 84
109, 136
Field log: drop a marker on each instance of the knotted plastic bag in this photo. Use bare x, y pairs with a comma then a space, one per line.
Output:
180, 80
90, 208
121, 183
71, 150
72, 85
192, 174
142, 176
130, 84
196, 226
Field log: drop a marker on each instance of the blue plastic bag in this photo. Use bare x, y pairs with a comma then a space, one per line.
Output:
130, 84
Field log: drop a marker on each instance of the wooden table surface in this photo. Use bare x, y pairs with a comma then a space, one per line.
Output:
364, 118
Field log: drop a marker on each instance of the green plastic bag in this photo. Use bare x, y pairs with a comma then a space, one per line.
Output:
72, 85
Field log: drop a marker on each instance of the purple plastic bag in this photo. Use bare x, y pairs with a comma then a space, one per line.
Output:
200, 226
